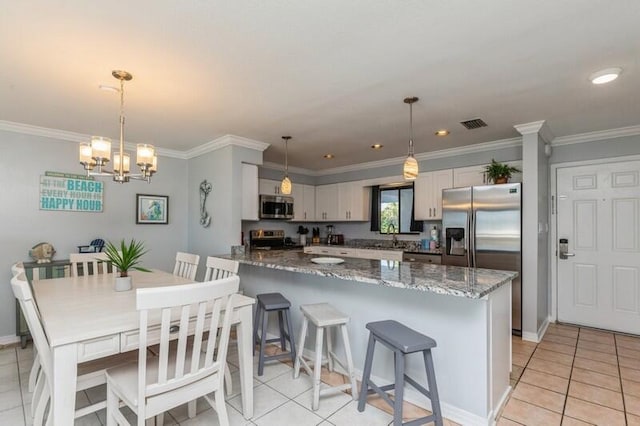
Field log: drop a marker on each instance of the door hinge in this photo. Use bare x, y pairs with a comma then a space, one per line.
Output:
553, 204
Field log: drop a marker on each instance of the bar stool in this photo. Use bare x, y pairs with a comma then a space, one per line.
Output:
324, 316
273, 302
402, 341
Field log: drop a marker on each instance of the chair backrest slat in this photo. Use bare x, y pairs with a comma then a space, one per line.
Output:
186, 265
99, 263
22, 292
218, 268
181, 305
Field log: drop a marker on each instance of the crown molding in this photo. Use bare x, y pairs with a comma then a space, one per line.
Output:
443, 153
66, 136
292, 169
597, 135
224, 141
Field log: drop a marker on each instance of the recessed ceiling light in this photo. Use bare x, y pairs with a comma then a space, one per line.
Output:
442, 132
328, 156
605, 76
377, 146
108, 88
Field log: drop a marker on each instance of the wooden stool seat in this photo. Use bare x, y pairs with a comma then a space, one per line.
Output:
325, 317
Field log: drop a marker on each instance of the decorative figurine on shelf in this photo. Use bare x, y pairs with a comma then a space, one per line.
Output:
42, 252
205, 189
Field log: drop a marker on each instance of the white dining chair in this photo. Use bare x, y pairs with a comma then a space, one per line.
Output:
218, 268
99, 263
90, 374
186, 265
17, 269
182, 372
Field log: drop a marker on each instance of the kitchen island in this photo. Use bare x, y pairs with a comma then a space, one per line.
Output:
467, 311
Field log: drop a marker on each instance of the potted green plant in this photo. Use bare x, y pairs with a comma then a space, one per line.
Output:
125, 258
500, 172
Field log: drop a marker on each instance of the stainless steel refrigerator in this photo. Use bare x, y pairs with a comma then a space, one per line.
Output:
482, 228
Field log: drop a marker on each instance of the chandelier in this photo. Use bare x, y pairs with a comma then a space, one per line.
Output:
96, 155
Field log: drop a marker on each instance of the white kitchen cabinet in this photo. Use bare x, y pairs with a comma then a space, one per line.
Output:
304, 205
250, 198
428, 193
353, 201
339, 251
327, 203
270, 187
469, 176
380, 254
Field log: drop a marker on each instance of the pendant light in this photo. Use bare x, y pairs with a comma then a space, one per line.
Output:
410, 169
285, 186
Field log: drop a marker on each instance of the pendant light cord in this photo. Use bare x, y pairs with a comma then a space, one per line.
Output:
411, 129
121, 171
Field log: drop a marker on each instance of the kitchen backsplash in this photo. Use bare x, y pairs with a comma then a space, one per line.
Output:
351, 231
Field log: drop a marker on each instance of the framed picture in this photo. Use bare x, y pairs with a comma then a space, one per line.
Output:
152, 209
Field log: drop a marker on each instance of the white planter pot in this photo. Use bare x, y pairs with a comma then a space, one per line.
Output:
123, 283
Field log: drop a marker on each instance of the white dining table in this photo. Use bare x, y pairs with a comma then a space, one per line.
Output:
85, 319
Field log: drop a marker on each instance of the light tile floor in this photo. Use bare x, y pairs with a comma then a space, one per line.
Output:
575, 376
278, 399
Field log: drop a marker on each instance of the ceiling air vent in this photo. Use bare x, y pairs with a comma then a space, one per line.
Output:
474, 123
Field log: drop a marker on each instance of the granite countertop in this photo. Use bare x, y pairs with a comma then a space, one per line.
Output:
442, 279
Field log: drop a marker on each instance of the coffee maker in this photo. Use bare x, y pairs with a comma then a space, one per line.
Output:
329, 233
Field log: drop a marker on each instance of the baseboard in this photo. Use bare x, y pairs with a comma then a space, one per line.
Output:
491, 420
9, 340
537, 337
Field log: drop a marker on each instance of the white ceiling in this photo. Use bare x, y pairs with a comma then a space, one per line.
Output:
331, 73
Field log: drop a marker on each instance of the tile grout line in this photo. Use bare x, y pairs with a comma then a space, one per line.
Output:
24, 416
624, 405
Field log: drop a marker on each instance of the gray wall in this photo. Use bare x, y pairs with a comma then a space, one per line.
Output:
223, 169
23, 158
617, 147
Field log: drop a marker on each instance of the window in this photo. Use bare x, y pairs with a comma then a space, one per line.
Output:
393, 207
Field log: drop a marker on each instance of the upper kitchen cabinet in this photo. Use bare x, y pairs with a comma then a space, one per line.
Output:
270, 187
469, 176
304, 205
353, 201
428, 193
250, 192
327, 202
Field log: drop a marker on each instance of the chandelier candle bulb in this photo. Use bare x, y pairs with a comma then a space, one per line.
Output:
101, 149
85, 154
116, 162
145, 154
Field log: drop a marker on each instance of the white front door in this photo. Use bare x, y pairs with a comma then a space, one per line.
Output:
599, 216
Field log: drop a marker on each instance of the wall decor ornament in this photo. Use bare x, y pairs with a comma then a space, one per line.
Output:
205, 190
70, 192
42, 252
152, 209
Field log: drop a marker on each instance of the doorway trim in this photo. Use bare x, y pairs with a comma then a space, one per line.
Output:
553, 235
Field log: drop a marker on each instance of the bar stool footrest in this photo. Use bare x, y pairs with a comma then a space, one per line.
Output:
418, 386
382, 391
335, 389
278, 356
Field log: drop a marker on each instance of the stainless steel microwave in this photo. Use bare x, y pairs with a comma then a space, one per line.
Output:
276, 207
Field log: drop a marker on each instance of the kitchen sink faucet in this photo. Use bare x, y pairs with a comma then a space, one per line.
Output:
391, 229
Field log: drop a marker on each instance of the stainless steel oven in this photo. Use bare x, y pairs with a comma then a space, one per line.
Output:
276, 207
